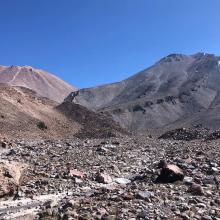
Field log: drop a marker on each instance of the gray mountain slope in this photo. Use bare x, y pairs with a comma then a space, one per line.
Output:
45, 84
177, 90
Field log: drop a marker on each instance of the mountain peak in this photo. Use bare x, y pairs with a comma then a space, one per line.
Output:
200, 55
176, 87
42, 82
23, 67
173, 57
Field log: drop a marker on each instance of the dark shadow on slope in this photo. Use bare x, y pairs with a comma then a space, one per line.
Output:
94, 125
185, 134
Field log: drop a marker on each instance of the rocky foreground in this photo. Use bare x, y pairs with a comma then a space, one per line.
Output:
118, 178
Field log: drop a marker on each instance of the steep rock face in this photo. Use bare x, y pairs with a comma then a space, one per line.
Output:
45, 84
178, 90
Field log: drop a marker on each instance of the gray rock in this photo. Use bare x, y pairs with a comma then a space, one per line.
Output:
188, 180
196, 189
206, 217
144, 194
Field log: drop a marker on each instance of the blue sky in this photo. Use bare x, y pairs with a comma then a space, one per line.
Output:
92, 42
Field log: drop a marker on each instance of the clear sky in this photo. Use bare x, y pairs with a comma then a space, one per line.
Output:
92, 42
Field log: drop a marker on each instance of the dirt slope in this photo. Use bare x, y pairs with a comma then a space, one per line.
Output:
21, 111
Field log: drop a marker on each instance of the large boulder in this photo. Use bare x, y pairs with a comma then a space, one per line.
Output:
169, 173
11, 174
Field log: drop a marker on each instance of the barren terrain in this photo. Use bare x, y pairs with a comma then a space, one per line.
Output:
23, 113
114, 178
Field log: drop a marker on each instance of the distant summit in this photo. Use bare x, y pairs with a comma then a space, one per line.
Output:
178, 90
43, 83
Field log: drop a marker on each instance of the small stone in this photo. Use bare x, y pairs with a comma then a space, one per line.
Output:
217, 201
196, 189
110, 186
3, 144
76, 173
11, 152
185, 216
77, 180
101, 212
103, 178
116, 169
109, 217
142, 215
144, 194
128, 196
122, 181
206, 217
188, 180
102, 150
73, 214
214, 169
201, 205
184, 207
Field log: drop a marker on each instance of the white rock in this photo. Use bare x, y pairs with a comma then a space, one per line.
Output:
122, 181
